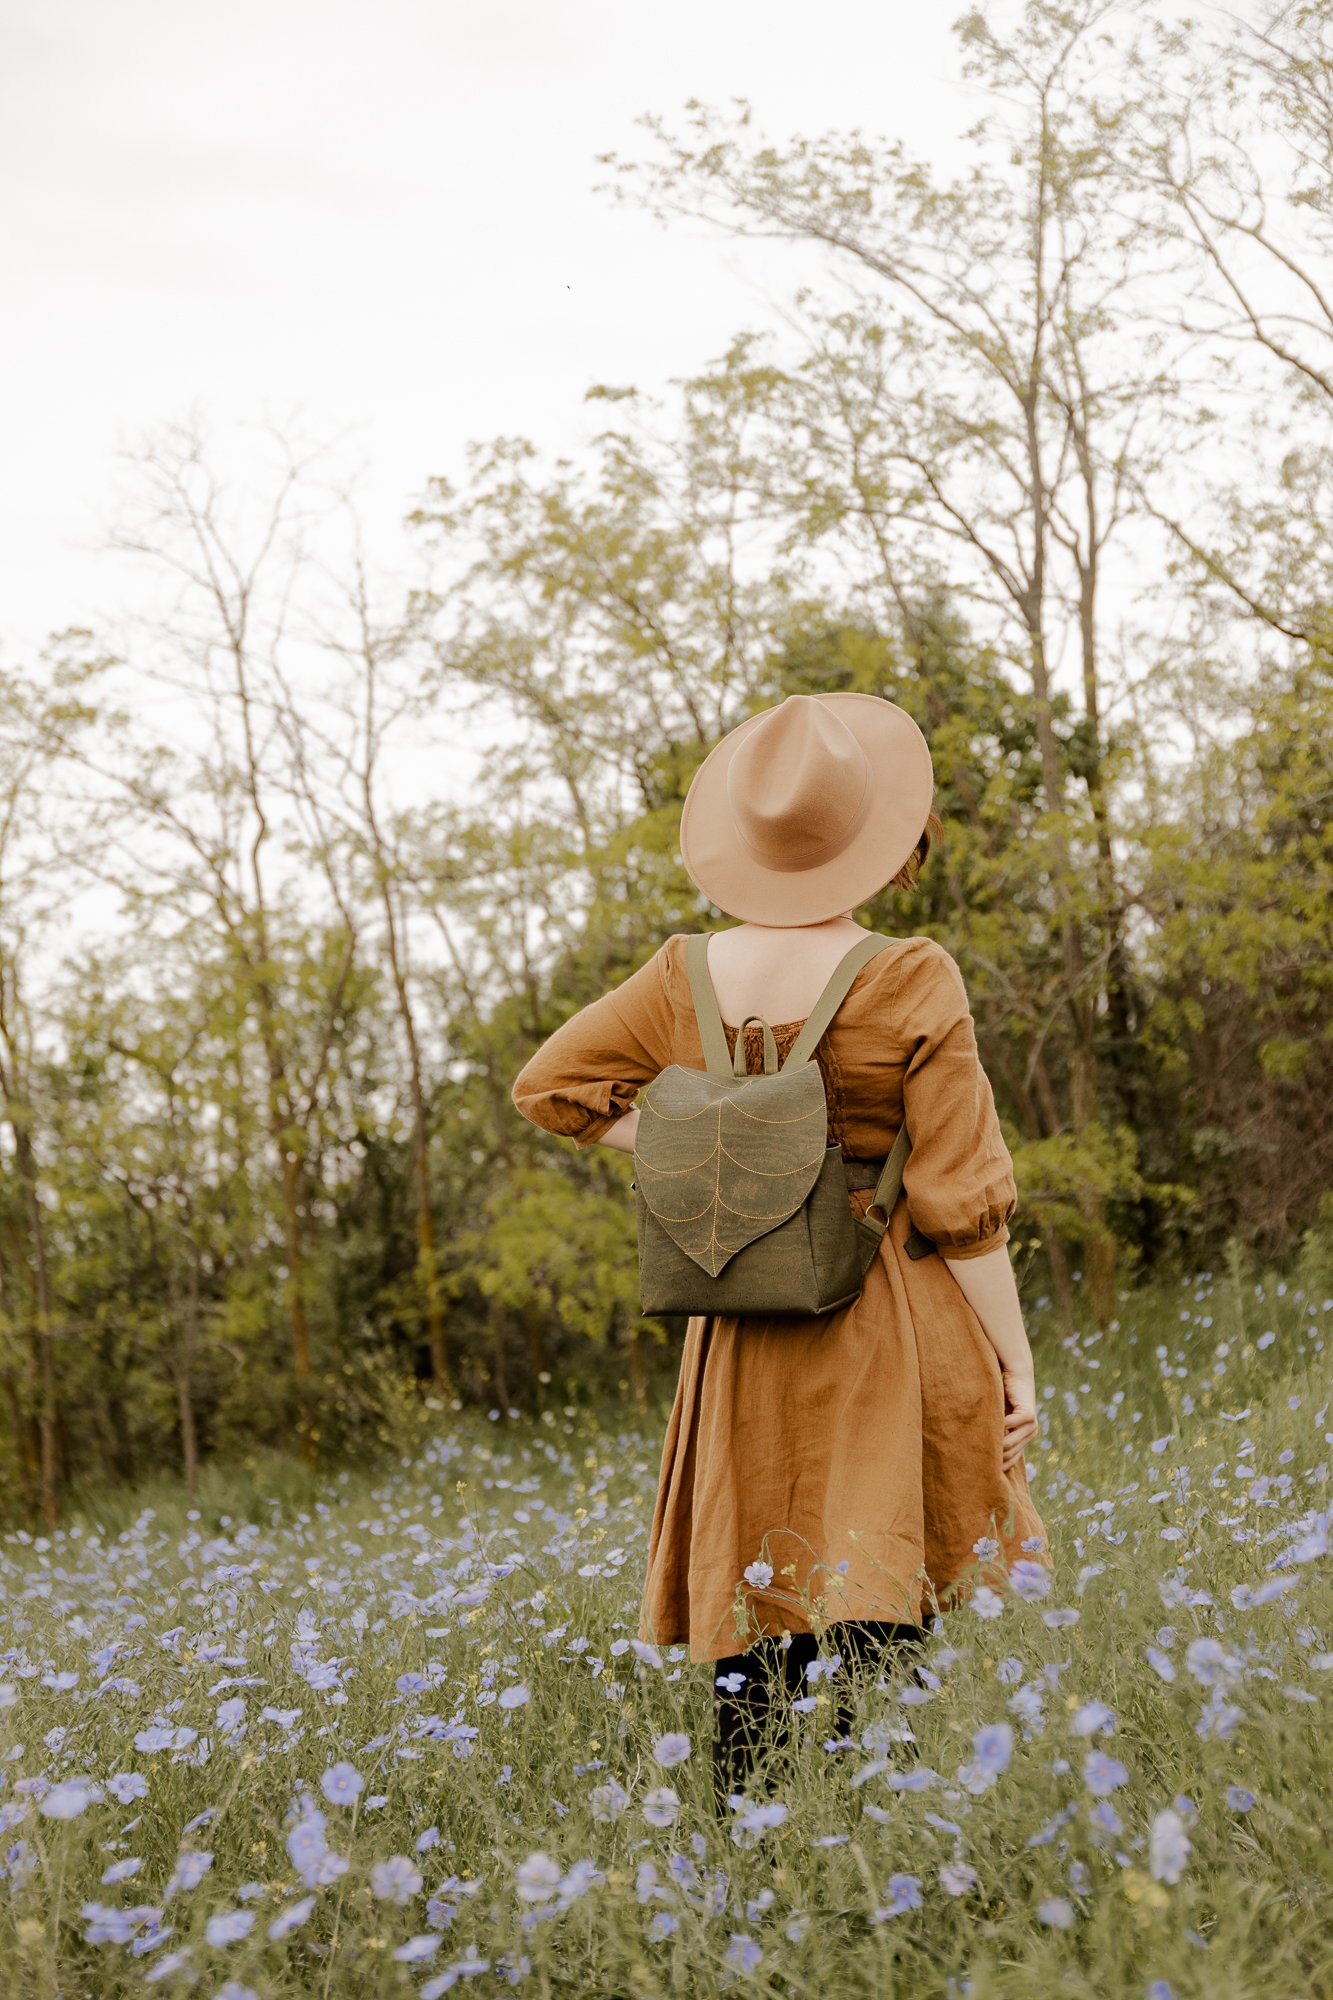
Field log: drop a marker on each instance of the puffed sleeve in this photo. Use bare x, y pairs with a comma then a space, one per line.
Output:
587, 1074
960, 1177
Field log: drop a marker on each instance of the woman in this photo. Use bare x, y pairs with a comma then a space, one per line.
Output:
847, 1473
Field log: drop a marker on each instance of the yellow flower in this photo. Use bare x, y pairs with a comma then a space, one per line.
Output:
1146, 1896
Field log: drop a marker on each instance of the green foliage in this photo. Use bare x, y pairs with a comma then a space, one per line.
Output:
1239, 884
260, 1172
555, 1246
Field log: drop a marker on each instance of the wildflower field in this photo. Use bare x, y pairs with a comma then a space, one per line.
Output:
396, 1734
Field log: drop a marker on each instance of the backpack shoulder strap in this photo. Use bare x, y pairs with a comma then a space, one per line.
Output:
835, 992
891, 1177
717, 1056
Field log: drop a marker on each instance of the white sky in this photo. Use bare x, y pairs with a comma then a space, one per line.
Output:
379, 219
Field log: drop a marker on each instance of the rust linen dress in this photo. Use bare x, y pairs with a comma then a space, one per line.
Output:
858, 1454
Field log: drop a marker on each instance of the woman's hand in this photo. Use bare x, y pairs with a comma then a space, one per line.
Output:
1020, 1415
987, 1283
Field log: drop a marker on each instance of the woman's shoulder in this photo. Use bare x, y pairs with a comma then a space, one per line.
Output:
911, 989
914, 965
912, 977
669, 961
650, 981
925, 958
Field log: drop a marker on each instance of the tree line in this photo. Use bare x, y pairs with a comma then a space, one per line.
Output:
1043, 454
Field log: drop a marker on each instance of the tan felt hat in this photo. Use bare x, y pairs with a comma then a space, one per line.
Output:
807, 808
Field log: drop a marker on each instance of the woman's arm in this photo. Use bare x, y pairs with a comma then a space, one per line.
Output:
959, 1177
987, 1283
580, 1083
620, 1136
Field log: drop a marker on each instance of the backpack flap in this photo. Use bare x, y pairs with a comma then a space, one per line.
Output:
720, 1161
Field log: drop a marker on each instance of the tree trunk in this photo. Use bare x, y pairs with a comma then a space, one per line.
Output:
1055, 1250
187, 1348
534, 1322
396, 940
1101, 1255
21, 1429
427, 1264
19, 1394
499, 1365
1061, 1282
294, 1242
189, 1436
634, 1364
43, 1332
1099, 1268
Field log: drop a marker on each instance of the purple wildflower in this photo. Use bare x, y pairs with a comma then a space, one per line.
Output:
229, 1926
396, 1880
1030, 1580
904, 1893
291, 1918
418, 1949
1168, 1846
958, 1878
1091, 1717
342, 1784
1103, 1774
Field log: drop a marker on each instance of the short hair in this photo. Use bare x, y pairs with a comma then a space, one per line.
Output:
906, 877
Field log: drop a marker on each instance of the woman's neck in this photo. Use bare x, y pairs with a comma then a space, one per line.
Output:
845, 922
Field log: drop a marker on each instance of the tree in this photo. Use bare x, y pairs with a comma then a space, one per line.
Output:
41, 721
220, 803
1231, 143
383, 694
971, 413
1241, 895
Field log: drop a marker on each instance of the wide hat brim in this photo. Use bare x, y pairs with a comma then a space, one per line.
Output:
902, 786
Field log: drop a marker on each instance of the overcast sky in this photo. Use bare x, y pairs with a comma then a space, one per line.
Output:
378, 221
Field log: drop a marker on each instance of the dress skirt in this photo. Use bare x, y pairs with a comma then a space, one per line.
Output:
858, 1457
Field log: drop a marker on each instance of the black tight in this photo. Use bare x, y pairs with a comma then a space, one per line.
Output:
757, 1715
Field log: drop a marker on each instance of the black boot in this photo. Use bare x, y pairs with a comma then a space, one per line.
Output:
752, 1721
876, 1643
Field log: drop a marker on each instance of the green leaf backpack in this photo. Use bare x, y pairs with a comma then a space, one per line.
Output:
742, 1205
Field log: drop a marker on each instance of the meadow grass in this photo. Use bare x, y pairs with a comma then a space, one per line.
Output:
393, 1734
